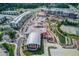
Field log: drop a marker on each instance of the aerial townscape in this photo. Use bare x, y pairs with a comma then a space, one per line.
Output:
39, 29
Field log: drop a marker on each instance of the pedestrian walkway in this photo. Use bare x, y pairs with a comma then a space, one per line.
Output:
46, 45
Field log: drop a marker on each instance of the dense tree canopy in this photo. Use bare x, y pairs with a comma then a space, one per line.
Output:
13, 6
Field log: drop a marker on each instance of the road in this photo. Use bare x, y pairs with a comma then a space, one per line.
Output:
21, 35
19, 46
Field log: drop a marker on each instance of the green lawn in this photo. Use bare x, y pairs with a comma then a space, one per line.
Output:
61, 38
1, 32
10, 48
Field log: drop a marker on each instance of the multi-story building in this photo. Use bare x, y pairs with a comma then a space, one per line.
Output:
10, 12
19, 20
62, 12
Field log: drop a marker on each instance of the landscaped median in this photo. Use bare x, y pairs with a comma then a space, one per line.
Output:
10, 48
57, 32
61, 37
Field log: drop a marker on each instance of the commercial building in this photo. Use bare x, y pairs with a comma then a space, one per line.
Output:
33, 41
19, 20
2, 18
62, 12
41, 14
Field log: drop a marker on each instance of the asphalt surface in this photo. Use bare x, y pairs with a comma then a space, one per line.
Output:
19, 46
20, 39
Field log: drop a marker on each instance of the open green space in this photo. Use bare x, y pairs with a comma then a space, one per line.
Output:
68, 34
1, 32
10, 48
57, 32
61, 37
62, 34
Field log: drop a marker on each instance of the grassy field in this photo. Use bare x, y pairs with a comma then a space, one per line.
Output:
61, 37
1, 32
10, 48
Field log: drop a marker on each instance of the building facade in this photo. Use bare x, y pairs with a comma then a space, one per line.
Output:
19, 21
62, 12
10, 12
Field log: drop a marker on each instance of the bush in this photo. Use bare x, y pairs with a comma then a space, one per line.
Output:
28, 53
1, 36
12, 34
62, 6
66, 22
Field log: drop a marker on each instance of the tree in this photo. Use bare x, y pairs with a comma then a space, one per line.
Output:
12, 34
1, 37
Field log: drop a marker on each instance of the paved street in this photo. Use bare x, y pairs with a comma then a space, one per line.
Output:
21, 35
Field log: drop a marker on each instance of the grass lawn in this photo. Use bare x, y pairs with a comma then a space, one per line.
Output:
1, 32
10, 48
61, 38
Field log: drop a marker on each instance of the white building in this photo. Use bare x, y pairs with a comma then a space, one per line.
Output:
10, 12
19, 20
33, 41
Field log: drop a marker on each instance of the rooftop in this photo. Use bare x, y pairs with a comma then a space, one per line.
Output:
9, 11
20, 16
2, 16
34, 38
